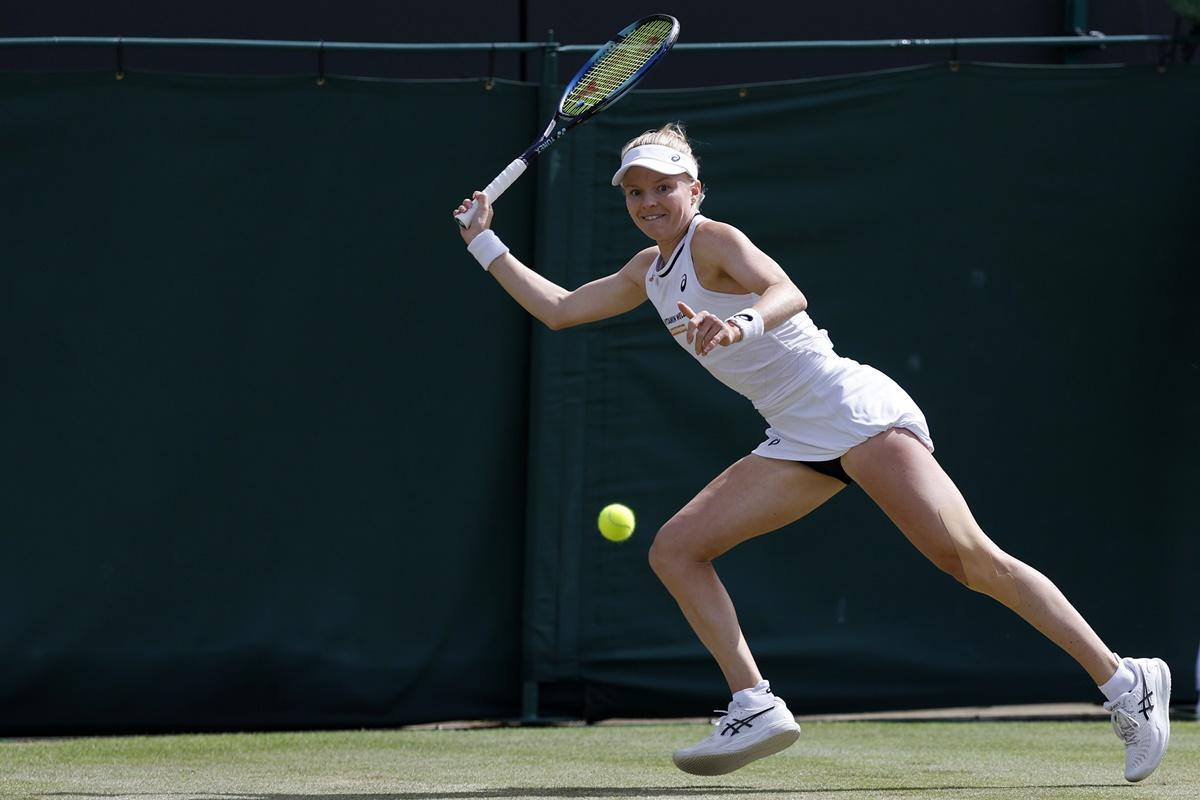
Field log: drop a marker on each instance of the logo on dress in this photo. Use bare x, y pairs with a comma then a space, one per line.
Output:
683, 283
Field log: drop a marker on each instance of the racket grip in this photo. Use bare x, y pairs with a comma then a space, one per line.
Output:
494, 189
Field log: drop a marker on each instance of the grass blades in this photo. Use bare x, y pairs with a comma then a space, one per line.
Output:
842, 760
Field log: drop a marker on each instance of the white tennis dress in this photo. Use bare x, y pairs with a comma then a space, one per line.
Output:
817, 404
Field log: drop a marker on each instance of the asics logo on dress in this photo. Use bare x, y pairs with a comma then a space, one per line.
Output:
683, 283
671, 320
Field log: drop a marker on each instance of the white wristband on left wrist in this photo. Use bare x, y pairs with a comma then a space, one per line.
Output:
487, 247
749, 321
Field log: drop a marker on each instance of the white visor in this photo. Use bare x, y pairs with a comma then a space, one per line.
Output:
659, 158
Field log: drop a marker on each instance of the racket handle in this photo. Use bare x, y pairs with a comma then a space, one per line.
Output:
494, 189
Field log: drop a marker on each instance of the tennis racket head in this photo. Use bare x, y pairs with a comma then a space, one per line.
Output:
617, 67
607, 75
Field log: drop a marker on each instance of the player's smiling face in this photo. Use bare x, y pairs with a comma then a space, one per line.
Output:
660, 205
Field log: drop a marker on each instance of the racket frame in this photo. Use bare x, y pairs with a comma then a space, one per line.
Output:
561, 122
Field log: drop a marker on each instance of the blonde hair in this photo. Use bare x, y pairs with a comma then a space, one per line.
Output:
670, 135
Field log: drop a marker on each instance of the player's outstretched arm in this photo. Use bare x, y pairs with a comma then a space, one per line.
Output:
554, 306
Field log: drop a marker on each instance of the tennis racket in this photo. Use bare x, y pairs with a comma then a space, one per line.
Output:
610, 73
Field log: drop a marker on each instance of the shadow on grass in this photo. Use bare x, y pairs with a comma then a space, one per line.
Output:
595, 791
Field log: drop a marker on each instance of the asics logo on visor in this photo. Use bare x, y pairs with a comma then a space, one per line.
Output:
657, 157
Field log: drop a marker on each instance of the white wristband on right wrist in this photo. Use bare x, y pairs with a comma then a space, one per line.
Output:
750, 321
487, 247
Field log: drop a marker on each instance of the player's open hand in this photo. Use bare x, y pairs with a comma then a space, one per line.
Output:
706, 330
483, 217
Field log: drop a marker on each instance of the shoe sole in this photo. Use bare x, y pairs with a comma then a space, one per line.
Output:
1164, 698
722, 763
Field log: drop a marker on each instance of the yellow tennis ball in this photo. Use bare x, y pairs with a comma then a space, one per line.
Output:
616, 522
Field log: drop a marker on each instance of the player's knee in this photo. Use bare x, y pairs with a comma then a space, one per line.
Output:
670, 551
664, 553
972, 558
951, 564
993, 572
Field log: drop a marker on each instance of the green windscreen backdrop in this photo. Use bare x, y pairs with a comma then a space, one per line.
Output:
277, 453
264, 426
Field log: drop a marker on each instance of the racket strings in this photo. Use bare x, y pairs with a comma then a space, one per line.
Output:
618, 64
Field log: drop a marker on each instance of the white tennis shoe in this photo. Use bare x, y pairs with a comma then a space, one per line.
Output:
1141, 716
743, 734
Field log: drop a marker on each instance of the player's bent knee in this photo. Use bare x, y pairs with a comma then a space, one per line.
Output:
662, 554
670, 549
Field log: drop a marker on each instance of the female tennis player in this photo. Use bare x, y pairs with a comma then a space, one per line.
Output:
831, 422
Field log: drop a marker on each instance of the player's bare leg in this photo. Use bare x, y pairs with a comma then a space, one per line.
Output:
754, 496
905, 480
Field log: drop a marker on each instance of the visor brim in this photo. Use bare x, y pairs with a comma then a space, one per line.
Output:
652, 164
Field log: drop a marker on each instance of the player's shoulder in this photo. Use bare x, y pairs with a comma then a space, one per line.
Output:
716, 237
710, 231
641, 261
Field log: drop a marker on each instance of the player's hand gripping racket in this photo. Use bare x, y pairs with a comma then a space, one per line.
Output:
607, 75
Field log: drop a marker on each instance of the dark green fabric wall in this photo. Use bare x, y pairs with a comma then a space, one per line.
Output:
278, 454
261, 466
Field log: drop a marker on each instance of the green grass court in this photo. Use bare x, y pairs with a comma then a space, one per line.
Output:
843, 760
